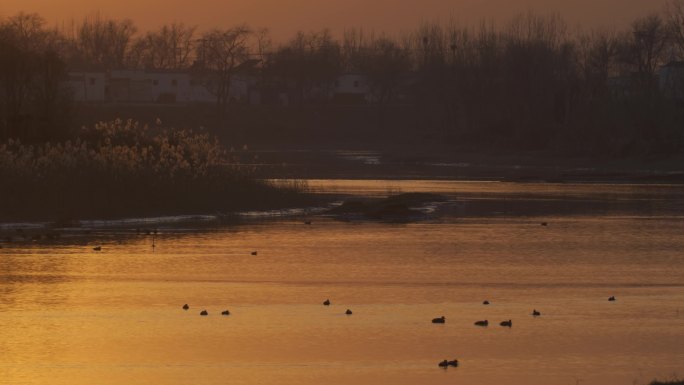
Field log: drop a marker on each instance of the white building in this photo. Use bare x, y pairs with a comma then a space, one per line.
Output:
87, 86
351, 89
141, 87
671, 79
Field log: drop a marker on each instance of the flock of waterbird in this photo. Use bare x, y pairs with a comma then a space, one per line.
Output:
439, 320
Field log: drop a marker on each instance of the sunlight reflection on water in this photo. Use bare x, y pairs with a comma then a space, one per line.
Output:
70, 315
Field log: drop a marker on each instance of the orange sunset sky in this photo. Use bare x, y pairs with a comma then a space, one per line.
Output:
284, 17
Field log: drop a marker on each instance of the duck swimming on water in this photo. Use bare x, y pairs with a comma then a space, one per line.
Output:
447, 363
439, 320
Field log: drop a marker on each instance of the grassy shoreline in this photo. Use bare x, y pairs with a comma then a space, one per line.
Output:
119, 169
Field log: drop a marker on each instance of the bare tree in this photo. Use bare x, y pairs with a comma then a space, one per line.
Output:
386, 65
223, 53
674, 11
170, 47
598, 53
105, 42
645, 48
312, 61
31, 99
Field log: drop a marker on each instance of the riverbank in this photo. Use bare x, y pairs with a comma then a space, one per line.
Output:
346, 142
453, 163
121, 169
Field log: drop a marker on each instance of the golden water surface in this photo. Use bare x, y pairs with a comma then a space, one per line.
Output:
72, 315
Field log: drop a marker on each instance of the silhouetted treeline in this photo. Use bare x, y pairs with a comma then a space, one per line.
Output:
33, 103
529, 84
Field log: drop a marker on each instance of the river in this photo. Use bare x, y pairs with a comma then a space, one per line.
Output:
73, 315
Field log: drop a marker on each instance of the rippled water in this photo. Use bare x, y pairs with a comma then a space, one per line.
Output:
71, 315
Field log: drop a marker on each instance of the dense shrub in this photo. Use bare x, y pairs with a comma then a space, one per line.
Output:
120, 168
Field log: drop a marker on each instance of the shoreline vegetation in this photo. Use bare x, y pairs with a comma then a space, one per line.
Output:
121, 169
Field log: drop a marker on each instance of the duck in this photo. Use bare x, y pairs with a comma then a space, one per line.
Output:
447, 363
536, 312
544, 223
439, 320
254, 253
611, 298
508, 323
225, 312
204, 312
97, 248
307, 222
348, 312
482, 323
326, 302
186, 307
485, 302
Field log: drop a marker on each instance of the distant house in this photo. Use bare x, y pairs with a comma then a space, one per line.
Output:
671, 79
130, 86
87, 86
171, 87
244, 89
351, 89
136, 86
139, 86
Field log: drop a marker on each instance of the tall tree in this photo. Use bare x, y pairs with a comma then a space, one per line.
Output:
674, 11
170, 47
105, 42
645, 50
312, 61
223, 53
32, 101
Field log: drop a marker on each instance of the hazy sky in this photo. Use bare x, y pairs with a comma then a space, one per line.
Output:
283, 17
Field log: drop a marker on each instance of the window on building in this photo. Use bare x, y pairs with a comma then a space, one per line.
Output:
155, 82
356, 84
92, 81
174, 82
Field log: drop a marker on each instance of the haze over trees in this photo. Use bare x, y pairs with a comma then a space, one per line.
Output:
530, 84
